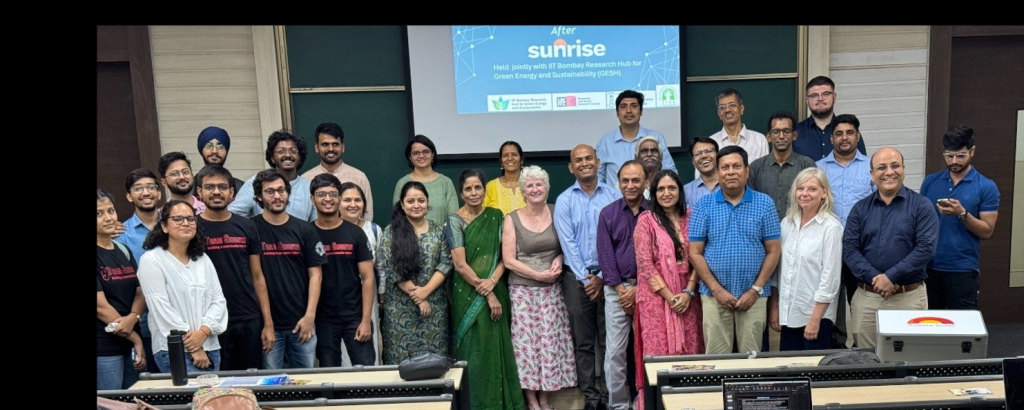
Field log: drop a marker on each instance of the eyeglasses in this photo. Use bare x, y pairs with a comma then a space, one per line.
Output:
824, 95
280, 191
731, 106
884, 167
217, 147
325, 194
425, 152
703, 152
183, 173
213, 187
180, 220
957, 155
151, 187
786, 131
282, 151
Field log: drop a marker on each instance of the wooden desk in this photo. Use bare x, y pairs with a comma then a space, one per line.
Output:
435, 405
895, 393
361, 377
729, 364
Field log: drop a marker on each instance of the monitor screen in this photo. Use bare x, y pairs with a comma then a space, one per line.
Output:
1013, 380
767, 394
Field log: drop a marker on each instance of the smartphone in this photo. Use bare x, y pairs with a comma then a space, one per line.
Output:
943, 201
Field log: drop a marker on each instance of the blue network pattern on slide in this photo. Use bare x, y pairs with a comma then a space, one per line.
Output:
506, 60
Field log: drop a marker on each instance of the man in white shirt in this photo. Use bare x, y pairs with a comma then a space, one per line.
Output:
734, 132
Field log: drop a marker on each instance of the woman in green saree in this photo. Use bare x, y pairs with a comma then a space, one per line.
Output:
480, 303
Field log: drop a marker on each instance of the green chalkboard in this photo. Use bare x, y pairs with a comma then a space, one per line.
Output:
345, 56
761, 98
736, 50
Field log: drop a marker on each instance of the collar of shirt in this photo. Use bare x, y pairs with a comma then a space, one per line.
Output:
968, 177
597, 188
742, 135
640, 133
831, 158
644, 205
902, 193
720, 197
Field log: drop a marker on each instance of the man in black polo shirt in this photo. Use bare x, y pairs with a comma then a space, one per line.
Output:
348, 283
291, 260
233, 244
816, 131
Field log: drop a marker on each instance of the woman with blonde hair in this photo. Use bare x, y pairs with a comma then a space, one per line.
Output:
803, 309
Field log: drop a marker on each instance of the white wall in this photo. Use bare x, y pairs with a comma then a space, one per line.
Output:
881, 75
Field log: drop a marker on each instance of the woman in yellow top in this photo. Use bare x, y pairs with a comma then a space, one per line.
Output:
503, 192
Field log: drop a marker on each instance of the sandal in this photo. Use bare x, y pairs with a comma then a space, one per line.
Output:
547, 407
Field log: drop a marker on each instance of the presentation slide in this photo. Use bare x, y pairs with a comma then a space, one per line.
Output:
547, 87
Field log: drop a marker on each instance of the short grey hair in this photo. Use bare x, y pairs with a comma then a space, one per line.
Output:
533, 172
645, 139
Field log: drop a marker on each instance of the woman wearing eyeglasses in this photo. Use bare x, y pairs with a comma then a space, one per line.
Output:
422, 157
182, 290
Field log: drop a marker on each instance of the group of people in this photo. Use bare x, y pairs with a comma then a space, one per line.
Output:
775, 231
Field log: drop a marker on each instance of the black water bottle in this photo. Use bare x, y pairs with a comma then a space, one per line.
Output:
176, 353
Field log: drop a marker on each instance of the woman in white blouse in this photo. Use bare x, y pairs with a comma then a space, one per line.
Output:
803, 309
182, 290
353, 209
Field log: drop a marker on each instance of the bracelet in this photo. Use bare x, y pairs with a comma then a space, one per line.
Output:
137, 316
494, 281
208, 333
690, 292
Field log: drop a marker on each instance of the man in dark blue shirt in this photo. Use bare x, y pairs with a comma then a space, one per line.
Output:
816, 131
890, 237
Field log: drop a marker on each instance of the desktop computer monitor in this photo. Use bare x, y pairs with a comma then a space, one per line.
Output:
1013, 381
767, 393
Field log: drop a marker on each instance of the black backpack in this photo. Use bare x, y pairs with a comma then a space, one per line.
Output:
849, 357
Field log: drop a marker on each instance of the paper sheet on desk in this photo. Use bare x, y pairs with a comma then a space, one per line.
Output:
274, 380
974, 391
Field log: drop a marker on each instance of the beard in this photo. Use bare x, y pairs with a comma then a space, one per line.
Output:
179, 191
822, 112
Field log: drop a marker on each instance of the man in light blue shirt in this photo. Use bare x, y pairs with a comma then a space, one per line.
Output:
144, 192
849, 172
576, 214
703, 150
285, 152
619, 146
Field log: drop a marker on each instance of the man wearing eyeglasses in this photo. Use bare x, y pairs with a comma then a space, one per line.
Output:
967, 204
773, 174
890, 237
286, 153
346, 303
330, 145
849, 174
233, 244
144, 193
292, 256
176, 175
703, 150
816, 131
213, 145
729, 103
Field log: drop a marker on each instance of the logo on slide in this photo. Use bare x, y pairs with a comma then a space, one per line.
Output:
500, 104
567, 101
561, 49
930, 321
668, 95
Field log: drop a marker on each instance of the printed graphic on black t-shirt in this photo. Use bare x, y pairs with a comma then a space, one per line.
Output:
287, 253
116, 278
341, 298
229, 244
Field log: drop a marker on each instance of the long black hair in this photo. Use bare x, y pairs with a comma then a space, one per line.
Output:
405, 246
660, 212
518, 148
157, 237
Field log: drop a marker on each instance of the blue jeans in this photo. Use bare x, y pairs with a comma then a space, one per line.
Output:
952, 290
300, 355
163, 361
115, 372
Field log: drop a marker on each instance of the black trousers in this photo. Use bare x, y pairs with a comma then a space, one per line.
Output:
328, 344
586, 318
240, 345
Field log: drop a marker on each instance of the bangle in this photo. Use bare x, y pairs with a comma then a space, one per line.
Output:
690, 292
494, 281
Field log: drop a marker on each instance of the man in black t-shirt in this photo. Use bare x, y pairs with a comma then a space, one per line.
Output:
346, 301
233, 244
291, 259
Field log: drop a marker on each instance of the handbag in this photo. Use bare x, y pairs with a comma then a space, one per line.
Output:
424, 365
103, 403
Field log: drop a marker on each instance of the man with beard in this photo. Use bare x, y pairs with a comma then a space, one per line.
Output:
619, 146
144, 193
703, 150
773, 174
849, 174
291, 260
176, 172
233, 244
617, 260
968, 206
576, 219
816, 131
648, 153
286, 153
213, 144
889, 238
330, 145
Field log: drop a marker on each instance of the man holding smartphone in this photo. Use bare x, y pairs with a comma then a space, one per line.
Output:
968, 206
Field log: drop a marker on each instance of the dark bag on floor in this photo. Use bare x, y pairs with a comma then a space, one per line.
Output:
424, 365
849, 357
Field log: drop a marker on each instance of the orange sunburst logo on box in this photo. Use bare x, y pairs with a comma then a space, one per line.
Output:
929, 320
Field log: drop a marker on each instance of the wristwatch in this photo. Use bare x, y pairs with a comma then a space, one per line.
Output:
758, 289
962, 216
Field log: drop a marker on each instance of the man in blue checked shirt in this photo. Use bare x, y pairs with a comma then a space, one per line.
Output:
576, 216
734, 246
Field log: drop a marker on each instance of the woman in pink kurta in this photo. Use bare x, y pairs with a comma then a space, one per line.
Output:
667, 319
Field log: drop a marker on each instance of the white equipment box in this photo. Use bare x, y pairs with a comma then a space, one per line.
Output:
929, 335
